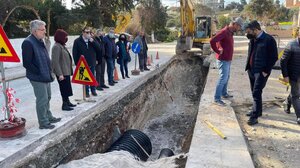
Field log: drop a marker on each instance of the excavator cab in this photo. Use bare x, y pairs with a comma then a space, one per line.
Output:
202, 31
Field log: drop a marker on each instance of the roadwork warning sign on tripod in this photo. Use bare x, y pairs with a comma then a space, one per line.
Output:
83, 74
7, 52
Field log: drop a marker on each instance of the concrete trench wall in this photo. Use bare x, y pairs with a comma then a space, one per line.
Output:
145, 105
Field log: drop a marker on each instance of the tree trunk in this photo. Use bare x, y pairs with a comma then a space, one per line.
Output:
47, 39
21, 6
152, 37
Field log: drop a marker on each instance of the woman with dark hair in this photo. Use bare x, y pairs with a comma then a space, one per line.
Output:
62, 67
123, 48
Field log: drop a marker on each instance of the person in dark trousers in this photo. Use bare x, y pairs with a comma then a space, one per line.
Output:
100, 68
62, 67
141, 40
123, 47
86, 46
110, 55
37, 63
290, 67
222, 44
287, 104
262, 55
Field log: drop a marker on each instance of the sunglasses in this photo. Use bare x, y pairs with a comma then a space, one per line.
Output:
87, 32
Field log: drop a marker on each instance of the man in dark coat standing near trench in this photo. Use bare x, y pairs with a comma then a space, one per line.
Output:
262, 55
86, 46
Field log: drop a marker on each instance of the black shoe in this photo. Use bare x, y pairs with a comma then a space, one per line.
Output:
48, 126
54, 120
252, 121
298, 121
127, 76
94, 94
115, 82
286, 107
287, 111
111, 84
146, 69
123, 77
249, 114
220, 103
71, 104
99, 88
141, 70
87, 95
104, 86
66, 107
227, 96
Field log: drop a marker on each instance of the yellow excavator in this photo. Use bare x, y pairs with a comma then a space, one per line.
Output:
195, 31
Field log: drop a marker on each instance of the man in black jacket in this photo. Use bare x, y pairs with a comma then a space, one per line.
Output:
262, 55
100, 67
290, 67
110, 55
86, 46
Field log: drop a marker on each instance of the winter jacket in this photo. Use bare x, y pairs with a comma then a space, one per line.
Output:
90, 52
223, 41
36, 60
290, 60
61, 60
110, 47
142, 42
263, 52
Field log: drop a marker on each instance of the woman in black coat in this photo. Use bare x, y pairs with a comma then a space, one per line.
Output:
123, 54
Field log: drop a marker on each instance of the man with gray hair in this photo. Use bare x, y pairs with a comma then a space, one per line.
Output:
38, 70
222, 44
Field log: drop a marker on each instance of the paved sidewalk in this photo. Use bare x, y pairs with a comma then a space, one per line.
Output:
207, 148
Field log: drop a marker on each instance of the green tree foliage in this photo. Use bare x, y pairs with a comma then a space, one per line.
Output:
283, 14
95, 13
243, 2
223, 21
260, 9
234, 5
18, 22
203, 10
173, 17
153, 15
98, 13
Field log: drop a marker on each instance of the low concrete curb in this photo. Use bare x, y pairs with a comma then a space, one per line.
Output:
207, 148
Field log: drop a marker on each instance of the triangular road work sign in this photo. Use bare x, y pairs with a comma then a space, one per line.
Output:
7, 52
83, 74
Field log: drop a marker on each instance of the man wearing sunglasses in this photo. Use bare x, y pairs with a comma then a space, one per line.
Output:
86, 46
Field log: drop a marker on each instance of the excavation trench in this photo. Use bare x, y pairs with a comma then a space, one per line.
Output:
145, 105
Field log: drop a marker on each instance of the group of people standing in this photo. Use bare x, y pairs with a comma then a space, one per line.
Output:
262, 55
98, 49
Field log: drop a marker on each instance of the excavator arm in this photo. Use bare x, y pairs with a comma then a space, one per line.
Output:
187, 12
195, 31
